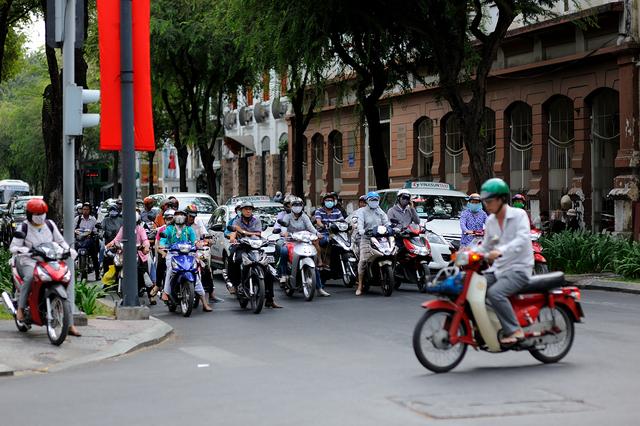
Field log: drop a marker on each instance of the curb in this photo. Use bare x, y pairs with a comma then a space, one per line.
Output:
614, 287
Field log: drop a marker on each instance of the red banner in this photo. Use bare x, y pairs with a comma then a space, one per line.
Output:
110, 89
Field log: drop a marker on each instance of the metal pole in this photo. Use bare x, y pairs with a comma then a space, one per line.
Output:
129, 284
68, 148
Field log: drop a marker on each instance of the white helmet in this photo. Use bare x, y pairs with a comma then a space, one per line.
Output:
403, 192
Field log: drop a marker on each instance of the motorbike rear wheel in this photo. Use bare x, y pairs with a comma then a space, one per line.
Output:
387, 280
431, 342
308, 277
349, 278
187, 293
60, 321
554, 352
83, 267
540, 268
425, 277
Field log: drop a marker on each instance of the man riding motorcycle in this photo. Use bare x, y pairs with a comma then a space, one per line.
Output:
298, 221
246, 225
148, 215
201, 230
508, 243
179, 232
324, 216
87, 222
402, 214
368, 219
161, 254
38, 230
110, 227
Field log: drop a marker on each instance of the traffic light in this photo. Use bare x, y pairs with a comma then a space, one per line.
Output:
74, 118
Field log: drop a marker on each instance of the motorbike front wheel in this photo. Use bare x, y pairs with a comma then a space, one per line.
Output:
60, 321
187, 293
83, 267
308, 277
349, 277
387, 280
431, 342
425, 277
554, 352
256, 300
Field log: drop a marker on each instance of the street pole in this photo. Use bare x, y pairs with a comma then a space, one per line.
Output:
68, 143
129, 276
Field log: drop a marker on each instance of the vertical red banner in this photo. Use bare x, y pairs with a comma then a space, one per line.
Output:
110, 89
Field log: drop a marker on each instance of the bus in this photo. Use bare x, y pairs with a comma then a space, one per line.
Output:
10, 188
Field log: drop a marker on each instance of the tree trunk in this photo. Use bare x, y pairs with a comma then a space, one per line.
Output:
183, 154
150, 156
4, 31
376, 150
298, 160
476, 146
207, 159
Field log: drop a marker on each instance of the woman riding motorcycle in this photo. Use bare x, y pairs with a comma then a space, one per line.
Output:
38, 230
402, 213
298, 221
472, 219
179, 232
368, 219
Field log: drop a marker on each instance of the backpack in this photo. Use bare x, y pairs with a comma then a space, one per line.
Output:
25, 227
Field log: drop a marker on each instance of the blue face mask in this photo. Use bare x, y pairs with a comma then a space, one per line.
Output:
373, 204
329, 204
474, 207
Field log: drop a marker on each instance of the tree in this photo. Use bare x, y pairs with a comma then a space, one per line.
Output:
456, 44
13, 13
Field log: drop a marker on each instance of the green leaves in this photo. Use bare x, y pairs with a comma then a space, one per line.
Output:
6, 283
87, 296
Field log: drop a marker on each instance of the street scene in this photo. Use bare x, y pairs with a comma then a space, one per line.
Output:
319, 212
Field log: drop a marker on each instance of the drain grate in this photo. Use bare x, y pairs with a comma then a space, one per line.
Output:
486, 404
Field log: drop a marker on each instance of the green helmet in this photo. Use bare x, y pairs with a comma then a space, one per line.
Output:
494, 187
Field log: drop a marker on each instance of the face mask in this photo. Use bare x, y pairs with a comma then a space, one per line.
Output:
474, 207
404, 202
39, 219
113, 213
518, 205
329, 204
373, 204
168, 220
137, 217
179, 220
296, 209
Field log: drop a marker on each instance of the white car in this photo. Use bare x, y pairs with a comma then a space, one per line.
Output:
206, 205
266, 210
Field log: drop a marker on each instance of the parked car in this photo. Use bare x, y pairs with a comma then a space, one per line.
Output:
265, 209
206, 205
438, 205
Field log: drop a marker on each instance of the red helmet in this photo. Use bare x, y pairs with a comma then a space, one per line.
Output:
149, 202
518, 197
37, 206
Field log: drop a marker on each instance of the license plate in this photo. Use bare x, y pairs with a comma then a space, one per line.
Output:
270, 259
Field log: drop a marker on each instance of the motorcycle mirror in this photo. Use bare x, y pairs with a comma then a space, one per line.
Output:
19, 235
276, 230
283, 222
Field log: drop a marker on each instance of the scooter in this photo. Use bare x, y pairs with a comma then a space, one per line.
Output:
303, 268
540, 262
48, 304
342, 260
84, 243
413, 258
184, 270
460, 317
379, 266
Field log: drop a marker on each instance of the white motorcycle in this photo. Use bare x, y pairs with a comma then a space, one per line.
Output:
303, 268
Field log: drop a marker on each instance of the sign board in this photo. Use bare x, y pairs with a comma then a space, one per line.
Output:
428, 185
250, 198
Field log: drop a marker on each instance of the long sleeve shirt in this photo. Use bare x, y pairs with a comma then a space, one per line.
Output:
513, 240
281, 215
141, 240
403, 217
470, 221
369, 218
37, 235
297, 224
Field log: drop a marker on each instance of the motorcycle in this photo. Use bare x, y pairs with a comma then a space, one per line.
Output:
84, 243
343, 263
256, 267
184, 270
413, 258
379, 266
48, 304
203, 257
540, 262
460, 317
117, 253
303, 268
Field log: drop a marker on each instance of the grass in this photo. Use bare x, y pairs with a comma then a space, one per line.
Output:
4, 314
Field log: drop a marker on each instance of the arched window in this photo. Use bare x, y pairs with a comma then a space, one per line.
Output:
561, 139
488, 132
520, 145
453, 148
424, 147
335, 139
318, 163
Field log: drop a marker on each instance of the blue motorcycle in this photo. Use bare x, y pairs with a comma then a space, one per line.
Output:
183, 277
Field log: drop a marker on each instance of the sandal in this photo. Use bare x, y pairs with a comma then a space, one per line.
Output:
512, 340
154, 291
165, 296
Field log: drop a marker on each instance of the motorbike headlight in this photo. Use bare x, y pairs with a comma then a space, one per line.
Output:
246, 260
462, 258
43, 274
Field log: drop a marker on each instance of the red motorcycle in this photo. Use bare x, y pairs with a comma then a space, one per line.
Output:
461, 318
412, 260
540, 263
47, 304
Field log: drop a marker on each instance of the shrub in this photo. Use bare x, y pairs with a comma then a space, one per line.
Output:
87, 296
627, 263
6, 282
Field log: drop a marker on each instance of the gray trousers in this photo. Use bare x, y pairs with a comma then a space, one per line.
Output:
25, 266
365, 252
509, 283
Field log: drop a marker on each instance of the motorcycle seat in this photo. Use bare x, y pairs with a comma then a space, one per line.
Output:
545, 282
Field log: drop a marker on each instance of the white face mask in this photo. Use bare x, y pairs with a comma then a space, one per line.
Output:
38, 219
373, 204
296, 209
179, 220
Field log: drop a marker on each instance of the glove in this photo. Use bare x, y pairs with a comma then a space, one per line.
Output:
73, 253
23, 250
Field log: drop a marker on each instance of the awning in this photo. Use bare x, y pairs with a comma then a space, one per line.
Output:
243, 140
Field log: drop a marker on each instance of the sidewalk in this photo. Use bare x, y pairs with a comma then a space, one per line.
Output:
101, 339
605, 282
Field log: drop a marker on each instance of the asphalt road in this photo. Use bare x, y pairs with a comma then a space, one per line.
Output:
340, 360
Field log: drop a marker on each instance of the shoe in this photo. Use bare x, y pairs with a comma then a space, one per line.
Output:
516, 337
152, 300
323, 293
358, 292
283, 280
154, 291
206, 308
272, 304
74, 332
215, 299
231, 289
165, 296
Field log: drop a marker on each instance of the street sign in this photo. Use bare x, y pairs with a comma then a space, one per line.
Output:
428, 185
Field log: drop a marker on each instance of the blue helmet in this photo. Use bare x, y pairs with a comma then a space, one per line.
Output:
372, 194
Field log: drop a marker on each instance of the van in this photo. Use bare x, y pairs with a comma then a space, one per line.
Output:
10, 188
436, 203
